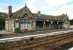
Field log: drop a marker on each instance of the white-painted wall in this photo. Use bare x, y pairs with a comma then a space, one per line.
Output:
24, 26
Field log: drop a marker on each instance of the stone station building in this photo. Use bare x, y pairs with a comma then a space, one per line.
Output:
25, 20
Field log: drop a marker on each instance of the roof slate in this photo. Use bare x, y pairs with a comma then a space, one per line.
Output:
39, 16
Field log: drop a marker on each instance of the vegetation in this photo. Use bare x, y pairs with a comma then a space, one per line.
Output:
17, 30
2, 22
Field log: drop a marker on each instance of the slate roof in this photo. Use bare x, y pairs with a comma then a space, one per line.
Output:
21, 12
39, 16
42, 16
50, 17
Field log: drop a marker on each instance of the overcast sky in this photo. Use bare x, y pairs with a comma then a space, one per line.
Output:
50, 7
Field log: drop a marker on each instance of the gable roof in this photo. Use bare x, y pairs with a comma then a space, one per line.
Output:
22, 11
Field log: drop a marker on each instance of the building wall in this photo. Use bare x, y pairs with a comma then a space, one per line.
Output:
23, 26
30, 25
26, 25
66, 24
6, 26
33, 25
9, 25
16, 24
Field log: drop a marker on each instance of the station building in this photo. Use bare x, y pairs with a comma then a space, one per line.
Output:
25, 20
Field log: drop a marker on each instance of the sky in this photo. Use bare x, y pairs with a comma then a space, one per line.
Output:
50, 7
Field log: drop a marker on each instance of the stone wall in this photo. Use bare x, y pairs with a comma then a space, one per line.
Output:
9, 25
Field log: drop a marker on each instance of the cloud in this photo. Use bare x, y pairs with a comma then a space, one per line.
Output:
52, 7
14, 3
66, 9
45, 4
3, 7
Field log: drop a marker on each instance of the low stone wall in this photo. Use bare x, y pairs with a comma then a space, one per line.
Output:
11, 45
71, 26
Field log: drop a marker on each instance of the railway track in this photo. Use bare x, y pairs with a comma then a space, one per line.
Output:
37, 41
50, 41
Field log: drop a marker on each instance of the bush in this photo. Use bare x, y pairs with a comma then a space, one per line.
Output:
17, 30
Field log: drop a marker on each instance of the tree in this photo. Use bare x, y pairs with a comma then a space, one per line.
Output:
2, 22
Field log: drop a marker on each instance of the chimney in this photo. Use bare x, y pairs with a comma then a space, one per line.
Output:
9, 11
39, 13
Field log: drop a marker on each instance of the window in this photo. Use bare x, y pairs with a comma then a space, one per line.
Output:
25, 15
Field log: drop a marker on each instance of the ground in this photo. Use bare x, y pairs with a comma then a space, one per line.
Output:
4, 34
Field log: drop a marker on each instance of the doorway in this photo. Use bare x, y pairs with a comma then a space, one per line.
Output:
39, 25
